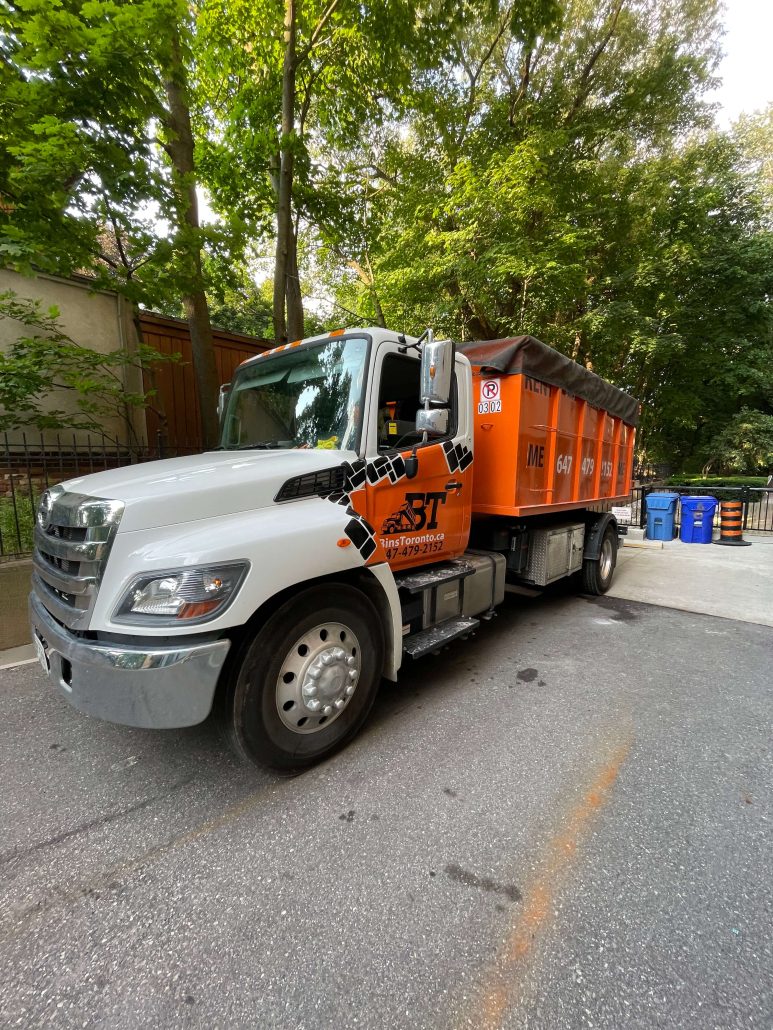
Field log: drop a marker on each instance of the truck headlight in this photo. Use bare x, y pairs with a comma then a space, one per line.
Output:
183, 595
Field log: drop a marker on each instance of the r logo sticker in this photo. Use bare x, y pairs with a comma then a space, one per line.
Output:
490, 403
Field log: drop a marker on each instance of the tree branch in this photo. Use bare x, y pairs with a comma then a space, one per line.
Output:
523, 86
324, 19
584, 90
475, 75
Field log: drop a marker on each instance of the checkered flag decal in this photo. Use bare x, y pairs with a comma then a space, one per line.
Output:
458, 457
358, 473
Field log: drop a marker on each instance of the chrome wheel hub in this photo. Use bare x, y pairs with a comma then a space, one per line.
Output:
318, 677
605, 561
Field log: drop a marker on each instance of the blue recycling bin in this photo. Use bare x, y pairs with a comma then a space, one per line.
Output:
697, 519
661, 516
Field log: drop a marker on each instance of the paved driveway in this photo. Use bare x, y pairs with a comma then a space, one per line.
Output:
565, 823
734, 582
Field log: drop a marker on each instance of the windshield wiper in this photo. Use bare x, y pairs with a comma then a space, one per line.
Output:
268, 446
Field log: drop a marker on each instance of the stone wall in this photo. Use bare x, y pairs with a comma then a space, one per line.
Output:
97, 319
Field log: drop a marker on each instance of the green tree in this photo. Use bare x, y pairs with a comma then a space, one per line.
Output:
754, 137
745, 445
564, 181
98, 169
292, 89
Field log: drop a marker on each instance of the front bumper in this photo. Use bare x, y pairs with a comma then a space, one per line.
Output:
159, 687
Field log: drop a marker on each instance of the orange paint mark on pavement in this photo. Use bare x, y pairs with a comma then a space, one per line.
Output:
538, 899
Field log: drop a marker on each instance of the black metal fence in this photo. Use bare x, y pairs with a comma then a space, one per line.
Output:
645, 472
29, 465
757, 504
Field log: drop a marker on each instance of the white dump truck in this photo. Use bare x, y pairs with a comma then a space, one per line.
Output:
372, 497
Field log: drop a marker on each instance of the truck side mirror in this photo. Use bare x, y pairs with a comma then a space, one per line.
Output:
222, 400
432, 421
437, 366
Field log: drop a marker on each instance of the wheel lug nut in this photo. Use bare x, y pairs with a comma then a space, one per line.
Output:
340, 703
352, 674
327, 659
313, 673
327, 710
351, 662
310, 689
349, 690
313, 705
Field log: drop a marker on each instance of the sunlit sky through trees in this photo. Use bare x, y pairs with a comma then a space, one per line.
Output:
746, 70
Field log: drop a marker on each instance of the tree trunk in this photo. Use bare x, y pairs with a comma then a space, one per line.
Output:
380, 320
180, 150
285, 254
294, 298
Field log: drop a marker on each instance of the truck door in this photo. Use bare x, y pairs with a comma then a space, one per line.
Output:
425, 519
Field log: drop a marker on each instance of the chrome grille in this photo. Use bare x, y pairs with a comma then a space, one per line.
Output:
73, 537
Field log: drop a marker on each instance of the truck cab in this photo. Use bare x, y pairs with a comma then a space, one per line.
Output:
286, 572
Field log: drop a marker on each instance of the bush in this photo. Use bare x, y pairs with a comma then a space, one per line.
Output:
717, 481
12, 542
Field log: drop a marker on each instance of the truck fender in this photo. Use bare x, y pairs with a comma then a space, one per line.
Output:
595, 527
376, 582
387, 601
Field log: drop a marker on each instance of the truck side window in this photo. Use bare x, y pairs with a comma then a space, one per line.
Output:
398, 402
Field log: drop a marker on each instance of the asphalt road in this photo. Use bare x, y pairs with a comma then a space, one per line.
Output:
565, 823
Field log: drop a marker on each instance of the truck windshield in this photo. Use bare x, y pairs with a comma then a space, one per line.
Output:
310, 396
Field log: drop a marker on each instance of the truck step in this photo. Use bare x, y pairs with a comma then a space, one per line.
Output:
443, 572
427, 640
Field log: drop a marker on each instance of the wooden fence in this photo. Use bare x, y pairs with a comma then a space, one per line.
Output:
176, 383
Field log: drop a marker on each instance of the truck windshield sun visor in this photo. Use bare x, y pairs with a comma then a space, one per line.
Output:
308, 397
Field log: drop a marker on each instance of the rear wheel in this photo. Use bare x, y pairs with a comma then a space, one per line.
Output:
597, 572
307, 679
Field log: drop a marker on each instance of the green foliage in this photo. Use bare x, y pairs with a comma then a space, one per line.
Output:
745, 445
242, 306
716, 481
569, 185
488, 168
47, 358
86, 181
754, 134
17, 524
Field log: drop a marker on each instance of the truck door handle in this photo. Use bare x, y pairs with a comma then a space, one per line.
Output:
453, 484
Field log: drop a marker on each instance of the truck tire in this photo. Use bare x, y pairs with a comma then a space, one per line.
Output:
597, 572
307, 679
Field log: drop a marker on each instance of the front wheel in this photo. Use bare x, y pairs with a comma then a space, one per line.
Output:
307, 680
597, 573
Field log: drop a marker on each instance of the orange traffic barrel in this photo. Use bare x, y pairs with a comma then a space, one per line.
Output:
730, 520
